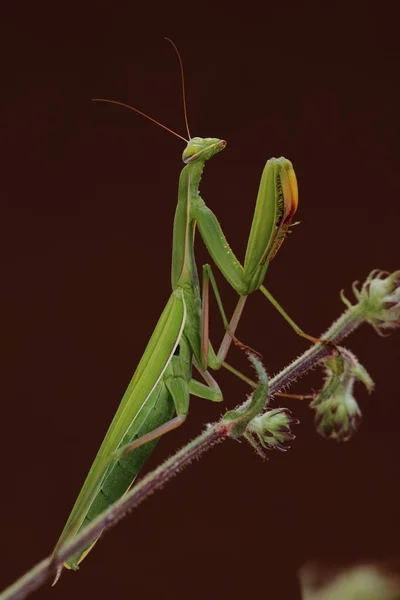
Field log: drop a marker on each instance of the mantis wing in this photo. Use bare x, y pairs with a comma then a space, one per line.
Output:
149, 371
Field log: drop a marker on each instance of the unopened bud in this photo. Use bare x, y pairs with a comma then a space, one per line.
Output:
379, 300
337, 413
271, 429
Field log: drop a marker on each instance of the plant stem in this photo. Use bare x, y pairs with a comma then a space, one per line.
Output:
214, 434
48, 567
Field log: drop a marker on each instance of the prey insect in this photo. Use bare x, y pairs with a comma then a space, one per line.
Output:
163, 381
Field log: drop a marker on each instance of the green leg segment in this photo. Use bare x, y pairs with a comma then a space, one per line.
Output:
215, 361
284, 314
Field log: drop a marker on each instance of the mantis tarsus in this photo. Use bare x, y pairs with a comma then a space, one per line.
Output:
163, 381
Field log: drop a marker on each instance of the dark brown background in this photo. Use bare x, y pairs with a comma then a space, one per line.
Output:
88, 194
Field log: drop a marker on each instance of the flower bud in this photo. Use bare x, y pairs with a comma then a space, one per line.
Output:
337, 413
271, 429
379, 300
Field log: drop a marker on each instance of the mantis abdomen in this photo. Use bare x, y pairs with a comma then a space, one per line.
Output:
121, 474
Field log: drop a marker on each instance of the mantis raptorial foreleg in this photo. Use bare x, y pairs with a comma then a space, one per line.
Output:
276, 205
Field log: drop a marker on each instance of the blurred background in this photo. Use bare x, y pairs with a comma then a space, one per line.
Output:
88, 194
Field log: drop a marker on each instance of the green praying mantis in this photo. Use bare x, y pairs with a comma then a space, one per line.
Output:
163, 381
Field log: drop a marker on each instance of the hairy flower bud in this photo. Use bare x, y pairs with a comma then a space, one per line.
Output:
271, 429
337, 413
379, 300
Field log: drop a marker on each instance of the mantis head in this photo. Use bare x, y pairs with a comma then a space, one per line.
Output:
201, 149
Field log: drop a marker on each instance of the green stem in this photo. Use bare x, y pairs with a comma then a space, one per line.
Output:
214, 434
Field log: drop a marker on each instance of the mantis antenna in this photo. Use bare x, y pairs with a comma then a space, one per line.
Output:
183, 85
140, 113
148, 116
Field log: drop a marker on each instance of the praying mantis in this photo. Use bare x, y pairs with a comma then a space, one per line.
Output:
163, 382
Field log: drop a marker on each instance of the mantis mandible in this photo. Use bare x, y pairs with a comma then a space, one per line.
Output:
163, 382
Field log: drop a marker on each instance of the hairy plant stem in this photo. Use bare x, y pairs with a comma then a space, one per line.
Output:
40, 573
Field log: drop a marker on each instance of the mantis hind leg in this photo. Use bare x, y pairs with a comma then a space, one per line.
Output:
152, 435
180, 391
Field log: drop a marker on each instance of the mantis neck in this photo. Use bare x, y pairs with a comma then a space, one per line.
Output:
194, 173
184, 270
